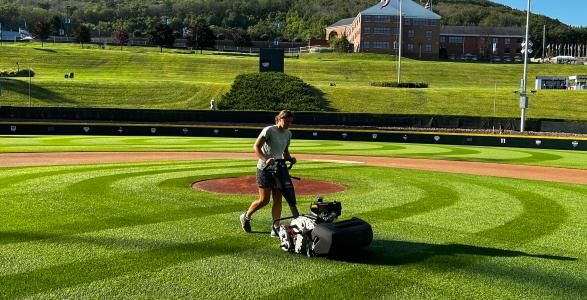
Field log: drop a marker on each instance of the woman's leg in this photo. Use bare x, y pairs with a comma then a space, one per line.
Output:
276, 208
264, 196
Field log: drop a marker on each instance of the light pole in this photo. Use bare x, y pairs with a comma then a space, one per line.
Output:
30, 81
399, 56
523, 95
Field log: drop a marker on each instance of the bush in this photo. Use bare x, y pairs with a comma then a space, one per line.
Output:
341, 44
19, 73
273, 92
415, 85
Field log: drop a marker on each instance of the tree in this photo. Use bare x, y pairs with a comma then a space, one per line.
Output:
56, 24
82, 35
121, 37
240, 37
201, 36
161, 35
41, 31
340, 44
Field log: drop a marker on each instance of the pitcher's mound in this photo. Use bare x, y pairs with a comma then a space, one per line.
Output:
247, 186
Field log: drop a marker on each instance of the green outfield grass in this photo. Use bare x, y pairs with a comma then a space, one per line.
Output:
540, 157
143, 78
138, 230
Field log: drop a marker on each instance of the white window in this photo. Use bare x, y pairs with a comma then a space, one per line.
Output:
381, 18
427, 48
382, 30
428, 33
365, 45
381, 45
455, 40
411, 47
411, 33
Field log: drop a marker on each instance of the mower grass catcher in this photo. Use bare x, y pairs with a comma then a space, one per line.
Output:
316, 234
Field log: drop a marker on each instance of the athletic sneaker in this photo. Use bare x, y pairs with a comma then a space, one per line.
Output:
273, 233
245, 222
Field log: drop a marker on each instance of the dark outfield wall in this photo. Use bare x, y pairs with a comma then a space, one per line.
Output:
47, 128
306, 118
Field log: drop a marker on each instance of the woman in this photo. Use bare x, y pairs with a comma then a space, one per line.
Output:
272, 143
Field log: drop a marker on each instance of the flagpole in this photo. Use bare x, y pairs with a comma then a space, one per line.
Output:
399, 57
523, 95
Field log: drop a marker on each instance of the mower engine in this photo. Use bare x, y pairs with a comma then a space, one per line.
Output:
325, 212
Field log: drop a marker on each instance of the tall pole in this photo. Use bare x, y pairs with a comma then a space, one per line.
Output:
399, 56
494, 108
30, 79
523, 95
543, 42
0, 34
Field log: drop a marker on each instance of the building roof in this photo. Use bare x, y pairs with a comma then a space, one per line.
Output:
343, 22
10, 35
482, 31
410, 9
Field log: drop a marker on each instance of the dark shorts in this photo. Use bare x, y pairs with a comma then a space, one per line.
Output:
265, 179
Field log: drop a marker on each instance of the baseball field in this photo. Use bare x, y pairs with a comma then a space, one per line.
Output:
116, 217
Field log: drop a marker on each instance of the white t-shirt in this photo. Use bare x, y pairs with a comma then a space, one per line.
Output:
276, 142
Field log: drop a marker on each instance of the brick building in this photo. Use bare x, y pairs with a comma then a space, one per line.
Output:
376, 30
486, 43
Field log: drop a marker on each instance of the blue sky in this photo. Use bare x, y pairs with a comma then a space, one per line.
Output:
571, 12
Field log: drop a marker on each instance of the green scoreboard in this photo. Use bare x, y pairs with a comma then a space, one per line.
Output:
271, 60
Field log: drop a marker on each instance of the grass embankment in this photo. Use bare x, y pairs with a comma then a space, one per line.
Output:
142, 78
539, 157
139, 231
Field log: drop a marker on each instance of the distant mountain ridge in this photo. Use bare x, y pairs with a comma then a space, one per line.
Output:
298, 19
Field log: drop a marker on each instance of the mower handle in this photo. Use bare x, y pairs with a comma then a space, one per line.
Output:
283, 160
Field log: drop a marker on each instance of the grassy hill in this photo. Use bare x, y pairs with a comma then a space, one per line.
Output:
142, 78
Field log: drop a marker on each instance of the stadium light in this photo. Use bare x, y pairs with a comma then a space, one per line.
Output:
523, 95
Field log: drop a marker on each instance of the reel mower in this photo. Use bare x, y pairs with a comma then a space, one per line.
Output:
316, 234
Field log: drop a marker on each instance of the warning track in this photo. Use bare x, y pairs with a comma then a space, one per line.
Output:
460, 167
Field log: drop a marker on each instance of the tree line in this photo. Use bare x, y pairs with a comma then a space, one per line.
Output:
245, 20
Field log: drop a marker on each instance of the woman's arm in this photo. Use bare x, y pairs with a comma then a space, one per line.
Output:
287, 155
257, 148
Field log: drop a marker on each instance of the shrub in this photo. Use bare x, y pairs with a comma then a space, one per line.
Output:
416, 85
19, 73
273, 92
340, 44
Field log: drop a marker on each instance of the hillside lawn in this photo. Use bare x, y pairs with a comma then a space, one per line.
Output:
139, 77
137, 230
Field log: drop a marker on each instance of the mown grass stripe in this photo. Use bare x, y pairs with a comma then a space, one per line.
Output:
435, 197
52, 278
541, 216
